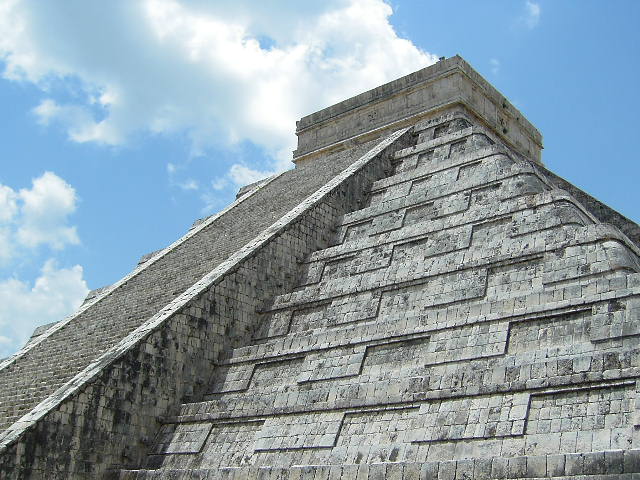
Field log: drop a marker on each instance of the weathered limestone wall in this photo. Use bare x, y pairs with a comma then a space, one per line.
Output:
406, 100
106, 416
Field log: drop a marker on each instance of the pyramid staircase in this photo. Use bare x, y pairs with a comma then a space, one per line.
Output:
471, 321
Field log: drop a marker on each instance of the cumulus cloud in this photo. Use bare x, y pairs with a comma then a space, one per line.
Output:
44, 211
36, 216
223, 71
31, 218
56, 293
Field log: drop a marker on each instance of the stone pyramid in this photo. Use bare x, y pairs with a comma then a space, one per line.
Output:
418, 298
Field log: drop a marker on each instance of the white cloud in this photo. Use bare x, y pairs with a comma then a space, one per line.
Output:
31, 218
532, 14
44, 211
219, 71
36, 216
56, 293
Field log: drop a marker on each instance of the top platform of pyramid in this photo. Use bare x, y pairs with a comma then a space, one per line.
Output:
407, 100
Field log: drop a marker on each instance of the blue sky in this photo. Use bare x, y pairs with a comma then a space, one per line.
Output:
123, 122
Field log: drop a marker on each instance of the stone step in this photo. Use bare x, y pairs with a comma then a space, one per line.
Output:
241, 410
586, 291
425, 144
71, 345
445, 170
375, 252
527, 210
395, 328
437, 163
433, 129
599, 465
557, 367
401, 431
451, 199
463, 274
